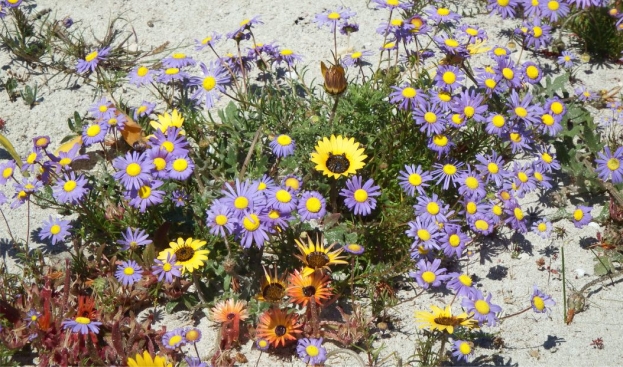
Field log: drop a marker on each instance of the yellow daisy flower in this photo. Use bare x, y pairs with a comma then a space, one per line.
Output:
338, 156
165, 121
187, 253
145, 360
443, 320
316, 256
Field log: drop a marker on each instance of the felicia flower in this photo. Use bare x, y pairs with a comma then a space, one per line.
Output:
133, 238
24, 190
550, 125
288, 56
441, 14
128, 272
142, 75
356, 58
516, 218
506, 8
262, 344
453, 241
311, 351
407, 97
180, 167
540, 301
244, 196
538, 35
31, 317
462, 285
173, 339
520, 140
82, 325
425, 233
170, 75
353, 248
450, 45
429, 274
506, 74
6, 171
531, 72
469, 105
481, 308
172, 142
178, 60
70, 189
462, 350
239, 34
332, 18
431, 209
266, 183
431, 118
449, 77
360, 197
447, 173
311, 206
414, 179
211, 85
220, 219
582, 216
160, 160
390, 4
554, 10
609, 165
547, 158
492, 168
470, 185
55, 229
282, 145
486, 79
278, 327
543, 228
94, 133
281, 199
146, 195
523, 178
91, 60
567, 59
473, 33
167, 269
179, 198
252, 228
481, 224
103, 109
293, 182
194, 362
581, 4
132, 170
208, 41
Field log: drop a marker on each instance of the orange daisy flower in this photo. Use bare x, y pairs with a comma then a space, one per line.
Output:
226, 311
272, 288
316, 256
303, 287
278, 327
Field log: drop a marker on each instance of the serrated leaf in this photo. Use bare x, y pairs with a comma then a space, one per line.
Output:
9, 148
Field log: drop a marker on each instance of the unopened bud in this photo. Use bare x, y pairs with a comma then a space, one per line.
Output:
335, 82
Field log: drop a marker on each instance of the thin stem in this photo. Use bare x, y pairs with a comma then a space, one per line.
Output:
27, 225
515, 314
250, 153
564, 284
333, 110
228, 248
7, 226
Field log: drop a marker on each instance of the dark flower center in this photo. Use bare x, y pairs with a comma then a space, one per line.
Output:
230, 316
337, 163
317, 259
280, 330
273, 292
448, 321
184, 253
309, 291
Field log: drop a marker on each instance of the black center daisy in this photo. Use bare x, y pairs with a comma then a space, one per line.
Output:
337, 163
273, 292
184, 253
317, 259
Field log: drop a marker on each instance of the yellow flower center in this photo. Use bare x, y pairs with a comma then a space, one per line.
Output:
192, 335
415, 179
144, 192
503, 2
312, 350
518, 213
493, 168
209, 82
547, 119
508, 73
432, 208
498, 121
538, 303
557, 108
172, 71
392, 2
274, 214
449, 77
355, 55
497, 210
91, 56
454, 240
499, 51
167, 267
83, 320
7, 172
251, 222
547, 158
333, 16
180, 164
245, 22
261, 186
457, 119
423, 234
41, 142
471, 207
70, 185
313, 204
361, 195
538, 176
490, 83
174, 340
32, 157
409, 92
128, 271
440, 140
112, 122
578, 214
516, 137
505, 195
444, 96
469, 111
613, 164
428, 276
160, 163
443, 11
93, 130
103, 108
396, 22
55, 229
449, 169
389, 45
465, 348
241, 202
482, 307
522, 176
221, 219
451, 42
465, 280
178, 55
471, 182
284, 140
33, 318
286, 52
354, 247
206, 40
481, 224
471, 31
133, 169
142, 71
542, 227
293, 183
283, 196
430, 117
537, 31
168, 146
532, 72
521, 112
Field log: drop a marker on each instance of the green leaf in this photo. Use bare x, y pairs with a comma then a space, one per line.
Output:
9, 148
603, 265
170, 306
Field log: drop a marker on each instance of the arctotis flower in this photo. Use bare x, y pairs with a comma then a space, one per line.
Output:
278, 327
226, 311
338, 156
302, 288
316, 256
272, 287
335, 82
188, 253
146, 360
442, 320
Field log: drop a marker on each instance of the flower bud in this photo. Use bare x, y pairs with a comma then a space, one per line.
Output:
334, 79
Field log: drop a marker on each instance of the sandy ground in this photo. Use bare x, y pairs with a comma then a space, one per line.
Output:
529, 339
